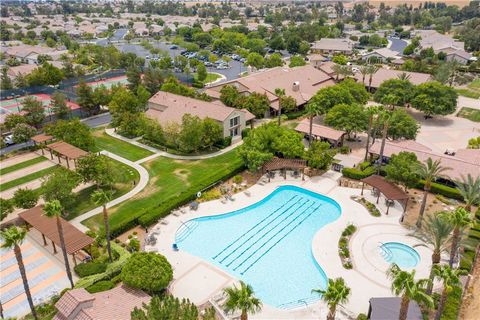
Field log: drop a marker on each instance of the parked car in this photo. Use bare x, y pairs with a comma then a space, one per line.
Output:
173, 47
147, 57
8, 140
223, 66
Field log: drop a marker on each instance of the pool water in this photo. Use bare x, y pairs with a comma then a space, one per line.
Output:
268, 244
401, 254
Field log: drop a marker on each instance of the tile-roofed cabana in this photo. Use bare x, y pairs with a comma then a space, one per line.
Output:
75, 240
283, 164
324, 133
390, 191
65, 150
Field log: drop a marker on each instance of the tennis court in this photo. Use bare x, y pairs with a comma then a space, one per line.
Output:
108, 83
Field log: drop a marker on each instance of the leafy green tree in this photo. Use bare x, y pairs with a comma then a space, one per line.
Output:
243, 299
402, 90
152, 80
191, 134
59, 185
401, 169
229, 95
340, 59
297, 61
170, 308
429, 172
73, 132
152, 131
5, 81
350, 118
337, 292
436, 235
331, 96
123, 102
96, 169
101, 96
134, 78
289, 144
201, 72
203, 39
450, 279
12, 238
59, 105
53, 209
172, 85
469, 188
405, 285
101, 197
212, 132
473, 143
287, 103
33, 111
274, 60
147, 271
459, 219
256, 103
23, 133
255, 60
12, 119
319, 155
25, 198
85, 98
402, 125
6, 207
142, 95
433, 98
357, 90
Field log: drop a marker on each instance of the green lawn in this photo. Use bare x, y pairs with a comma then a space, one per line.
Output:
83, 202
22, 165
470, 114
210, 77
124, 149
25, 179
471, 91
168, 179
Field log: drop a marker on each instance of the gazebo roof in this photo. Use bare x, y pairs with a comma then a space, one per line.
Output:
281, 163
39, 138
389, 190
319, 130
75, 240
67, 150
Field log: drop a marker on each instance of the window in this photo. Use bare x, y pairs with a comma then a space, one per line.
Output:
234, 121
234, 132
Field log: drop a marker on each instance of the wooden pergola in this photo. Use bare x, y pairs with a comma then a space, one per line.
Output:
41, 139
75, 240
390, 191
65, 150
284, 164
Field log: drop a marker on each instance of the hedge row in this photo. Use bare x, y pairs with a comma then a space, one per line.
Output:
90, 268
444, 190
296, 114
100, 286
473, 241
356, 174
151, 215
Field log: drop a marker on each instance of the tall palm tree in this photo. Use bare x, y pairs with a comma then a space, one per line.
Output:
336, 293
405, 285
338, 71
53, 209
470, 190
12, 239
101, 197
280, 93
385, 119
313, 109
459, 219
372, 69
242, 299
404, 76
346, 71
435, 234
428, 171
364, 71
450, 279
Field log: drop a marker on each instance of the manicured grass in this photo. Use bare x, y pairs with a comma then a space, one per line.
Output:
25, 179
210, 77
168, 179
468, 93
470, 114
83, 201
22, 165
123, 149
475, 84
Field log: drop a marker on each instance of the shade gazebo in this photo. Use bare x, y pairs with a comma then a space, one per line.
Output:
66, 150
283, 164
390, 191
41, 139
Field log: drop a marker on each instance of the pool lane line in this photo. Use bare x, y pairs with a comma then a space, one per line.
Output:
272, 246
266, 233
241, 236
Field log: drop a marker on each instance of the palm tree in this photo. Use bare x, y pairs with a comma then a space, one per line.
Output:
54, 209
242, 299
280, 93
435, 234
404, 76
372, 69
364, 70
337, 293
338, 70
101, 197
385, 118
470, 190
346, 71
450, 279
405, 285
313, 109
428, 171
12, 239
459, 219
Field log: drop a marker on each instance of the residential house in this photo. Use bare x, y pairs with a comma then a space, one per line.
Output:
459, 56
301, 83
455, 50
165, 107
333, 46
384, 74
27, 53
382, 54
21, 70
117, 303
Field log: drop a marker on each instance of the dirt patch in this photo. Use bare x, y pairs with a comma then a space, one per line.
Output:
183, 174
137, 232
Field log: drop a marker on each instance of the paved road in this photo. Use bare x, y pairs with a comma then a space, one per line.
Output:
397, 44
117, 36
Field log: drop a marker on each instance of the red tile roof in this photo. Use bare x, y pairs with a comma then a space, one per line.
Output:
319, 130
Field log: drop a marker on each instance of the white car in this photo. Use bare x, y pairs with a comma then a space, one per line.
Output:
8, 140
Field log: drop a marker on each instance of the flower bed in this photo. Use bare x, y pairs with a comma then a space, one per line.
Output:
368, 205
343, 249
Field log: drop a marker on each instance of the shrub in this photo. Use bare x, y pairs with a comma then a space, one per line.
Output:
25, 198
148, 271
356, 174
133, 245
89, 268
223, 143
452, 305
441, 189
344, 150
296, 114
211, 194
362, 316
245, 132
100, 286
237, 179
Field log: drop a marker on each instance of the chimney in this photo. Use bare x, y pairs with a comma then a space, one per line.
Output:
296, 86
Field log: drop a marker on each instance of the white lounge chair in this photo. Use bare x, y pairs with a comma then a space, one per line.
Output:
247, 193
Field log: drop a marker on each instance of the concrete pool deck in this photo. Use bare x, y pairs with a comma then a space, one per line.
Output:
200, 281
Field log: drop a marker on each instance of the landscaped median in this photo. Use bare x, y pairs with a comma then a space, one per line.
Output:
173, 183
22, 165
27, 178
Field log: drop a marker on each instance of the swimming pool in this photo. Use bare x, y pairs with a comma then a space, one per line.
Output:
268, 244
399, 253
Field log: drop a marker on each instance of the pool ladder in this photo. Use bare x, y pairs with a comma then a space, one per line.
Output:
385, 252
185, 230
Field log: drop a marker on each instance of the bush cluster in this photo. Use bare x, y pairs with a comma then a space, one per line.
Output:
358, 174
444, 190
100, 286
343, 249
90, 268
370, 207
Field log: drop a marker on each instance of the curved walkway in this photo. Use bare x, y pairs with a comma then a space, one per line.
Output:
158, 152
144, 177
